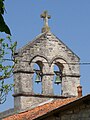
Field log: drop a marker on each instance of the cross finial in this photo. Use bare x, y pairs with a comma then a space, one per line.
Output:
45, 17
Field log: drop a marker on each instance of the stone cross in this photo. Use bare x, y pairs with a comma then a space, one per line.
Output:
45, 17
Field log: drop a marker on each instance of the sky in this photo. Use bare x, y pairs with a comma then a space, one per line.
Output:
70, 22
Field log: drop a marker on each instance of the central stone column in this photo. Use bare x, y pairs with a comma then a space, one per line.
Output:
47, 84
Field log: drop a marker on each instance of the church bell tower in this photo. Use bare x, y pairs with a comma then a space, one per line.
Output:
43, 62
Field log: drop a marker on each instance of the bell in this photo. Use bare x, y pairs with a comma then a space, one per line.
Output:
37, 80
58, 79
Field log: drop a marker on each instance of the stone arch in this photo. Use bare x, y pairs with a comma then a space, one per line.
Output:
63, 63
65, 70
39, 56
42, 62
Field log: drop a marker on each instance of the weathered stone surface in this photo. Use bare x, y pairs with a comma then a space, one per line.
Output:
46, 50
75, 113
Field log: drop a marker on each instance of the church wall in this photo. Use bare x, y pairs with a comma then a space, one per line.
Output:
79, 112
28, 102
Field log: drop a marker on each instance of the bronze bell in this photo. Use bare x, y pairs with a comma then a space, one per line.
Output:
58, 79
38, 78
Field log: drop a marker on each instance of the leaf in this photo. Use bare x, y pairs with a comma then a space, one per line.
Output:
3, 26
1, 7
9, 38
1, 40
1, 66
5, 45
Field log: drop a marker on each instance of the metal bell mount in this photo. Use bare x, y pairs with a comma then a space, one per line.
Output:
38, 76
58, 79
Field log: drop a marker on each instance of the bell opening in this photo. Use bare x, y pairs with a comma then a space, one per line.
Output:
57, 80
37, 79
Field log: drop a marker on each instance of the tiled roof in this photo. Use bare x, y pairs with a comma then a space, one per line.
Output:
40, 110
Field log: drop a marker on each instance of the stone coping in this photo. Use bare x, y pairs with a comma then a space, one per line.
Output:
41, 95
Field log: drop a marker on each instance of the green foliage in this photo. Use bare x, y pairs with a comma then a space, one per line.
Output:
7, 61
2, 7
4, 89
7, 50
3, 26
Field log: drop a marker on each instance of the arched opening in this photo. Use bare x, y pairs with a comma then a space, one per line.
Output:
57, 82
37, 78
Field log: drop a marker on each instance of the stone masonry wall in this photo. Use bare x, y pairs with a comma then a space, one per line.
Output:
81, 112
23, 102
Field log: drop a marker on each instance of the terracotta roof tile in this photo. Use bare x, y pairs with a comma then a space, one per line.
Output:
40, 110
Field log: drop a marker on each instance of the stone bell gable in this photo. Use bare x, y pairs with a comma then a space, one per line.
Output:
46, 50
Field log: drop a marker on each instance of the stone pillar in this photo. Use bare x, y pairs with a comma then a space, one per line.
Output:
47, 84
64, 86
23, 82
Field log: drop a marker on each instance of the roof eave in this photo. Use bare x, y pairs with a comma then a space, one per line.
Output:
65, 107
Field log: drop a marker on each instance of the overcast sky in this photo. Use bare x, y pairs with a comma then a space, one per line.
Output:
70, 22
